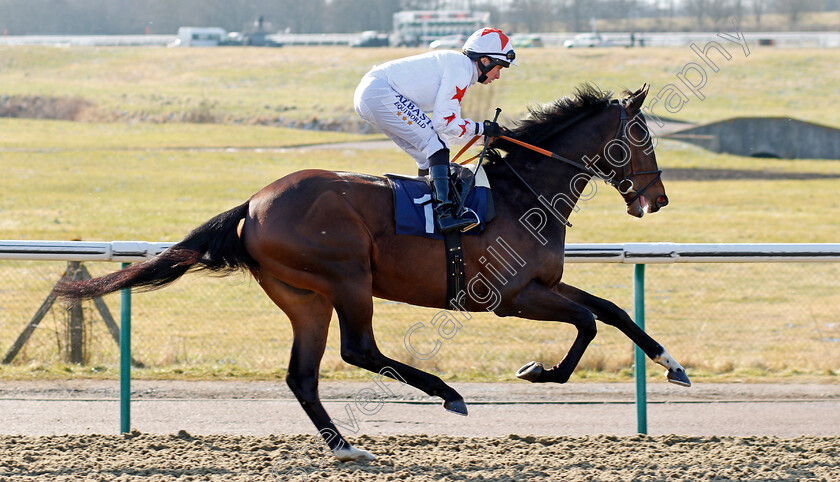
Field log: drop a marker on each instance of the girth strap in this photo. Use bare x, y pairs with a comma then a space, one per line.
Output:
455, 279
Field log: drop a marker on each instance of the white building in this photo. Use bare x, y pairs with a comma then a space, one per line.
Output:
419, 27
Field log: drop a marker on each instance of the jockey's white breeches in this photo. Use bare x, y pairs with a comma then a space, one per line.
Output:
398, 117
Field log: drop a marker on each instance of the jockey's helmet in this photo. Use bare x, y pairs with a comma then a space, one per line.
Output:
493, 44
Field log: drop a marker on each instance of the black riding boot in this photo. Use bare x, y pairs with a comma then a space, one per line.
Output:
444, 206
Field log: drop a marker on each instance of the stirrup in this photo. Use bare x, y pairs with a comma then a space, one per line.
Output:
473, 224
447, 222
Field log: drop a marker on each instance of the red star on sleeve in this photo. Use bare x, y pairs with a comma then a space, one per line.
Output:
459, 93
449, 118
463, 129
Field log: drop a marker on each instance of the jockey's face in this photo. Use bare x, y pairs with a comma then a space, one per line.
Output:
494, 73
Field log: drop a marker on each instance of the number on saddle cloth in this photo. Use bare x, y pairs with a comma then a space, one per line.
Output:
413, 211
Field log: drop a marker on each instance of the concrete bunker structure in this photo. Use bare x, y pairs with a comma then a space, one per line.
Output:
780, 137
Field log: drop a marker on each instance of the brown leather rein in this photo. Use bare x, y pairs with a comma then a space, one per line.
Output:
620, 135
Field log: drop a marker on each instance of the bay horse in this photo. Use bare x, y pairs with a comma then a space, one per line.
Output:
318, 241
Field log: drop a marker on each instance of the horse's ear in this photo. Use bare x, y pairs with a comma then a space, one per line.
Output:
636, 99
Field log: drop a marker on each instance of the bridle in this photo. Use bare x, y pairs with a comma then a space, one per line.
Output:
620, 136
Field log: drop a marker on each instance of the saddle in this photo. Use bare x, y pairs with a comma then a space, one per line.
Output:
413, 215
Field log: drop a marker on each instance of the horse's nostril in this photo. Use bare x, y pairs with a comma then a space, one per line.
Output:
662, 201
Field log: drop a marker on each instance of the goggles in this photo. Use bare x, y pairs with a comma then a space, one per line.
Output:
510, 56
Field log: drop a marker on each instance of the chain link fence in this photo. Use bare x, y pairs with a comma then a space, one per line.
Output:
723, 321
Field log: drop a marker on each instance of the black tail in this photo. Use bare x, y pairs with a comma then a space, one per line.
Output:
214, 246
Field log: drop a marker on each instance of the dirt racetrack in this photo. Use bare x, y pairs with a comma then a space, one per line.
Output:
254, 431
138, 456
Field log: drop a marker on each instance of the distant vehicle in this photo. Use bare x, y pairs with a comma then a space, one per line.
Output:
617, 41
261, 39
255, 39
584, 40
233, 38
525, 41
199, 37
370, 38
448, 42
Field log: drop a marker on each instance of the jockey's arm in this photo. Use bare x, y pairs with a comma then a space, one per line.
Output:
446, 117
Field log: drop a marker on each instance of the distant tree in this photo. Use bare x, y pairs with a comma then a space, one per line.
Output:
360, 15
758, 7
668, 9
576, 13
794, 8
110, 17
622, 9
698, 10
738, 8
302, 16
496, 15
719, 10
531, 15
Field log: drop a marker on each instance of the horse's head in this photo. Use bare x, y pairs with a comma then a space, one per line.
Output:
630, 160
595, 135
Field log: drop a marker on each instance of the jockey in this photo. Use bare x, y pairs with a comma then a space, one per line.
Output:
396, 97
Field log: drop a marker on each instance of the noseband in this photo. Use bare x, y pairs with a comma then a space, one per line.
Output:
621, 136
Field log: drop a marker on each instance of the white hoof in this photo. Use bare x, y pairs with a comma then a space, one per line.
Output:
352, 454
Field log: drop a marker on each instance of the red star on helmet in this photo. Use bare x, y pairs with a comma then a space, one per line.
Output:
463, 128
459, 93
502, 36
449, 118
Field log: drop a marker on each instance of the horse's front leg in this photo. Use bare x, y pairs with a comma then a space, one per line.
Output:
537, 302
607, 312
353, 303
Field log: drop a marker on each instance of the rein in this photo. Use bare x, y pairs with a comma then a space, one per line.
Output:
620, 135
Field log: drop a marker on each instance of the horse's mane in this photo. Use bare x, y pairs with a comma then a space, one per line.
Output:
542, 120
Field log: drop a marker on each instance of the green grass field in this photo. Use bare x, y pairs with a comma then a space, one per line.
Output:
149, 180
301, 83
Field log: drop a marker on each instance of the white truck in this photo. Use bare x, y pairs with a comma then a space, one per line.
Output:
199, 37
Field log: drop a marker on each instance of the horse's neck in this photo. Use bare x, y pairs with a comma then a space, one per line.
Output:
555, 193
549, 185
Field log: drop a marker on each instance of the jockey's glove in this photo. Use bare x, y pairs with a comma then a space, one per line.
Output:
492, 129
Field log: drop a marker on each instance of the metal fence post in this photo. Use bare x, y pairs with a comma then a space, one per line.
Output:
125, 359
639, 315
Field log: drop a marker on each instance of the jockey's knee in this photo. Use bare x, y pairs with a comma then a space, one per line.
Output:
439, 158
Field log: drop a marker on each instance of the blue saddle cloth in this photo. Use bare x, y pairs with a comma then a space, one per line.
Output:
413, 211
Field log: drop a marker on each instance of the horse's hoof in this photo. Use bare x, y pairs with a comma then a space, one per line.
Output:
531, 372
352, 454
678, 377
456, 406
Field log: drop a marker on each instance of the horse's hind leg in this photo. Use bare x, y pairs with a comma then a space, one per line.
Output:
537, 302
310, 315
354, 306
607, 312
